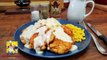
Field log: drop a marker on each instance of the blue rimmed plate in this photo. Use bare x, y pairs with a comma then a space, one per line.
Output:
47, 54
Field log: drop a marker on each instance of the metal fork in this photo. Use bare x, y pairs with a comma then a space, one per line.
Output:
98, 46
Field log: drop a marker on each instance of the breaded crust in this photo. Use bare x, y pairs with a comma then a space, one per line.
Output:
59, 46
32, 40
56, 45
23, 40
67, 30
43, 47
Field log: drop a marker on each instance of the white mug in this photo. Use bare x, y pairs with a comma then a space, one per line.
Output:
77, 10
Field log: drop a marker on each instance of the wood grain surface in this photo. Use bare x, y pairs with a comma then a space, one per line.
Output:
14, 0
3, 3
10, 23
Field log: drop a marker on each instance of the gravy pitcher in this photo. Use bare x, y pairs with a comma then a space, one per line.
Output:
77, 10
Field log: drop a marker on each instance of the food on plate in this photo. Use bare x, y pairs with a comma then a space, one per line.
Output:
62, 42
49, 34
78, 33
59, 46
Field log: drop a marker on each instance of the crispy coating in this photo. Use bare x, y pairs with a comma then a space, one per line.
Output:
23, 40
60, 47
43, 47
51, 38
56, 45
67, 30
32, 40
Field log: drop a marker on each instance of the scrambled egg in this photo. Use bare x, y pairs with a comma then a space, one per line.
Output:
78, 33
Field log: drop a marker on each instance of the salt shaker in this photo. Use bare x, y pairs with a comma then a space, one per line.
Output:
35, 15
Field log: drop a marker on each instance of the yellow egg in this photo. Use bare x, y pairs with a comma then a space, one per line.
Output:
78, 33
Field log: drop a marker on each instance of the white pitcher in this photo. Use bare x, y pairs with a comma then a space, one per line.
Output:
77, 10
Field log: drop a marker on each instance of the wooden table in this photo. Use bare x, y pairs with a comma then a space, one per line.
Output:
10, 23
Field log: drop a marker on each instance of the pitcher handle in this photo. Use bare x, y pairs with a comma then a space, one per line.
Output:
93, 4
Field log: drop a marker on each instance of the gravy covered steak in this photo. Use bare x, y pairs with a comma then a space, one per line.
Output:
48, 34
